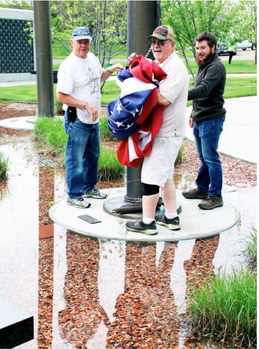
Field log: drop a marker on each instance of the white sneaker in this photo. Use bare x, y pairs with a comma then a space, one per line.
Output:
95, 194
78, 202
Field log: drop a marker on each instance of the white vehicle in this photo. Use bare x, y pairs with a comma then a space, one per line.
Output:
244, 45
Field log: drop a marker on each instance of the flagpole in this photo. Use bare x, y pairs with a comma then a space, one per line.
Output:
143, 18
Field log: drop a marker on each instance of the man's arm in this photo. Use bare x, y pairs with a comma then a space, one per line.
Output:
108, 72
162, 100
212, 76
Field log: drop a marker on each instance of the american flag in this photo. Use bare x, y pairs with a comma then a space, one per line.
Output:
131, 116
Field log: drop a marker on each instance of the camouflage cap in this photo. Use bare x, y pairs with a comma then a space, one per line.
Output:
163, 32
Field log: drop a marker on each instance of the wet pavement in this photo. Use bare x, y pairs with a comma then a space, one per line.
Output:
100, 293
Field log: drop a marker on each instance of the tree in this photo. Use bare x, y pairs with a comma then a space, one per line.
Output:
247, 23
18, 4
188, 18
106, 19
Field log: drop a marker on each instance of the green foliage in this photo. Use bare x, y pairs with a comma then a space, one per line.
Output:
106, 20
106, 134
109, 166
250, 251
189, 18
50, 133
3, 167
225, 308
247, 21
24, 5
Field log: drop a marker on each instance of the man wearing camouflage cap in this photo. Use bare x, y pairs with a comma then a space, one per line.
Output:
158, 168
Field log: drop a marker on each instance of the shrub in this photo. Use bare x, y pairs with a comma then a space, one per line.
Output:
109, 166
225, 308
106, 134
3, 167
250, 251
50, 132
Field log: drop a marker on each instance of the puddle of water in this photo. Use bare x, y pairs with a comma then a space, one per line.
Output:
85, 293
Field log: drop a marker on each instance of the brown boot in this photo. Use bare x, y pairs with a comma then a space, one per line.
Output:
211, 202
195, 194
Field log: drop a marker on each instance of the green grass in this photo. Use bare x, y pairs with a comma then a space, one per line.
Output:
235, 87
56, 66
109, 166
104, 129
3, 167
250, 250
225, 308
241, 67
59, 52
22, 93
236, 67
240, 87
50, 133
110, 92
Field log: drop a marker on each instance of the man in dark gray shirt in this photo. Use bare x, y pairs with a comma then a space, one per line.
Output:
207, 119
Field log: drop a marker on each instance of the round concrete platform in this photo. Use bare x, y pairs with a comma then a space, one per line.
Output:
195, 223
24, 123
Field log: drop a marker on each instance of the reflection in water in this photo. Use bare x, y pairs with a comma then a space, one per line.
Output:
200, 267
145, 313
83, 314
146, 316
46, 257
45, 312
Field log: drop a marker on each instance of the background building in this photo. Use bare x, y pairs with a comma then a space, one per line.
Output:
16, 47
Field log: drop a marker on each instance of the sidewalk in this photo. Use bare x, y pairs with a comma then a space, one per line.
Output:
239, 136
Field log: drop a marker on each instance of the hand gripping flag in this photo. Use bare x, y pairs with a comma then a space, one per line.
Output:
135, 118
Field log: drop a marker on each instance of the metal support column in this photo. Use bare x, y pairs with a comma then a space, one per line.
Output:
43, 58
143, 18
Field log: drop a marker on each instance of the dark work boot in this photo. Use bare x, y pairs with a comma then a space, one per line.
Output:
211, 202
195, 194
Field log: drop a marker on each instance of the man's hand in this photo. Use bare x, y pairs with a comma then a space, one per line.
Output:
131, 56
191, 122
107, 72
116, 67
91, 111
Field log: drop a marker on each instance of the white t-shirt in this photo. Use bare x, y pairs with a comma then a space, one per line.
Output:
80, 78
175, 89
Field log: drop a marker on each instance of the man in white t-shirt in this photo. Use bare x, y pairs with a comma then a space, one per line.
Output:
158, 168
78, 88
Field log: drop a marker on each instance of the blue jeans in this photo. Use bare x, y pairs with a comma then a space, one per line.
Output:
82, 154
210, 177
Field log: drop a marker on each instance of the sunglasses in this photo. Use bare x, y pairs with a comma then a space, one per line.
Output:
158, 42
